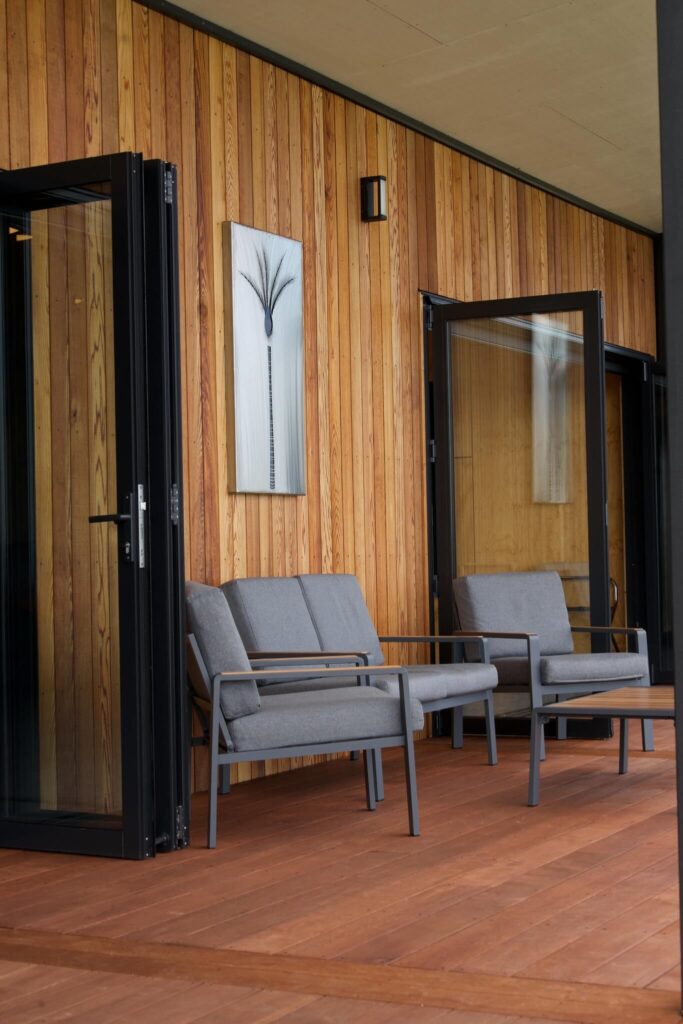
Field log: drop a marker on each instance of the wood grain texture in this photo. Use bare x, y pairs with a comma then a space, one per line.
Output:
75, 477
256, 144
650, 698
567, 911
398, 986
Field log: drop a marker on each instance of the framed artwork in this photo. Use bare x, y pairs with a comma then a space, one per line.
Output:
265, 361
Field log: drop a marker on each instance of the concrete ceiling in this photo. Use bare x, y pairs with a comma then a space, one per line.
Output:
565, 90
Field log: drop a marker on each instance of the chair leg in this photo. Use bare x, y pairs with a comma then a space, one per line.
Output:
535, 758
561, 727
224, 779
458, 737
368, 767
378, 773
623, 746
648, 734
411, 785
354, 755
491, 729
213, 793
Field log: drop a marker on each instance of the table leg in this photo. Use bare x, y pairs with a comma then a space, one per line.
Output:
535, 757
623, 746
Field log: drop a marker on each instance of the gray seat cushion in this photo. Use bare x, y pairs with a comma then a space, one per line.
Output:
220, 647
321, 716
305, 685
271, 614
515, 602
437, 682
588, 668
574, 668
339, 613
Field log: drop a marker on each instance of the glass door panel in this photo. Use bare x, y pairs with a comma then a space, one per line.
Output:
73, 574
77, 582
519, 439
516, 408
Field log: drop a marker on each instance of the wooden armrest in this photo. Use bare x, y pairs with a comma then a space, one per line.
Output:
462, 637
312, 659
490, 634
283, 674
607, 629
321, 655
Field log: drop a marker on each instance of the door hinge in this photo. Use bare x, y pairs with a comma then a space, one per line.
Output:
431, 451
429, 316
180, 826
175, 504
168, 186
644, 371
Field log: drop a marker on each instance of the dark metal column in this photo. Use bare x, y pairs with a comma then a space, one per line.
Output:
670, 48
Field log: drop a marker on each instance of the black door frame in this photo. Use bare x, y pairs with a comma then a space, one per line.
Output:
638, 373
669, 44
154, 754
591, 306
171, 709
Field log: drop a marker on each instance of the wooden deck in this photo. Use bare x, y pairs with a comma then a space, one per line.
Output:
312, 910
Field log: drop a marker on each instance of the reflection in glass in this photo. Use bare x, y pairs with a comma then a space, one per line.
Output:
519, 438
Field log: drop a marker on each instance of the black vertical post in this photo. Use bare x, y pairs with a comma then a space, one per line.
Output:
670, 48
596, 466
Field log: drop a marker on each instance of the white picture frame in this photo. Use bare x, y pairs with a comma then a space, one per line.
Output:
264, 361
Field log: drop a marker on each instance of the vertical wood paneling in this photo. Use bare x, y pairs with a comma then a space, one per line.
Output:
255, 144
5, 158
17, 70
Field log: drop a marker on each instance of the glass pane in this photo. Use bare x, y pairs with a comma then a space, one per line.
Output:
76, 711
520, 450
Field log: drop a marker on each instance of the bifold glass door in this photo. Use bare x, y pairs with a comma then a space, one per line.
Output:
76, 695
520, 482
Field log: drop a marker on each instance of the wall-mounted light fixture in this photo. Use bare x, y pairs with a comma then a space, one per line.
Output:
373, 198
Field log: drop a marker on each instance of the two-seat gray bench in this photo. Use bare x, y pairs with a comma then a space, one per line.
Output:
326, 612
247, 724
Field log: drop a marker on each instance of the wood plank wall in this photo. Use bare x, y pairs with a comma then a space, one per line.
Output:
258, 145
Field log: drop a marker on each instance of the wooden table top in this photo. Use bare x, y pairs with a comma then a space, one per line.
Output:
650, 701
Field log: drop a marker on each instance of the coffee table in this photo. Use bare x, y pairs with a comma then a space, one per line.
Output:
624, 703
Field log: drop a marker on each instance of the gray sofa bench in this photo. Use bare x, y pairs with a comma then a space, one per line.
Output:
247, 724
326, 613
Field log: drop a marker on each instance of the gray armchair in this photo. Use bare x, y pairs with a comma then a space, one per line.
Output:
247, 725
326, 612
524, 615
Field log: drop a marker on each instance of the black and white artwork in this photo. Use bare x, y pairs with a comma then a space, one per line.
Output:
264, 325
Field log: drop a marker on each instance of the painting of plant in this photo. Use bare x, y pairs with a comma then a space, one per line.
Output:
264, 331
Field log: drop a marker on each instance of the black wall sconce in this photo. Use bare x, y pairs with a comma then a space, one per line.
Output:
373, 198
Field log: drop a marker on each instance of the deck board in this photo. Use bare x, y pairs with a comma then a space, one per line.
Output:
311, 909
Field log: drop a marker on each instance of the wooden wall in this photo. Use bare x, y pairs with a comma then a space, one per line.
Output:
260, 146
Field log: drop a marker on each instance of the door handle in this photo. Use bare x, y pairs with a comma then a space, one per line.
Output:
113, 518
133, 540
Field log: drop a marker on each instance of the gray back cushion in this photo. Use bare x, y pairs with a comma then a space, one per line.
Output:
340, 615
515, 602
221, 648
271, 614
